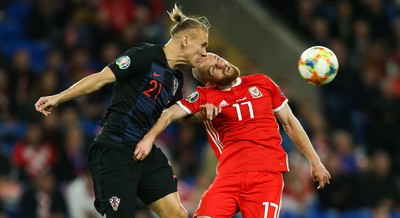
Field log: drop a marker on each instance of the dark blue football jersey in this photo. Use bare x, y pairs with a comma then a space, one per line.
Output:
145, 85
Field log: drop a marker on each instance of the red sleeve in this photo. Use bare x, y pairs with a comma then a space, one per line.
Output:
192, 102
278, 97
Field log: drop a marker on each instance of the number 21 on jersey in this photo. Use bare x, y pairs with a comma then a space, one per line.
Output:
154, 91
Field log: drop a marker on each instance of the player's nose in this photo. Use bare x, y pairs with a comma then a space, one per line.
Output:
203, 52
221, 63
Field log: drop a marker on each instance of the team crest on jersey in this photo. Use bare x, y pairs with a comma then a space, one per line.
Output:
123, 62
192, 97
114, 201
176, 84
255, 92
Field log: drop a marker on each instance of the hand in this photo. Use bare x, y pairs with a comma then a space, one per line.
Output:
142, 149
46, 104
209, 111
320, 174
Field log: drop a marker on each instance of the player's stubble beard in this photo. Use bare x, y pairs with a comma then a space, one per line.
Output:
228, 79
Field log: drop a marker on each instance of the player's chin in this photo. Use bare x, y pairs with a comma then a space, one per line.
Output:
193, 63
232, 73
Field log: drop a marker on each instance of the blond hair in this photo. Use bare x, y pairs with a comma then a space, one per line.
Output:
183, 22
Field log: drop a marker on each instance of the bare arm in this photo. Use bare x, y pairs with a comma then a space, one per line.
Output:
207, 112
173, 113
296, 132
84, 86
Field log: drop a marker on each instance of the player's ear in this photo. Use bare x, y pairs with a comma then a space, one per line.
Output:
184, 40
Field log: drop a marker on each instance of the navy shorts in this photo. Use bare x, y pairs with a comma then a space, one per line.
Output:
118, 180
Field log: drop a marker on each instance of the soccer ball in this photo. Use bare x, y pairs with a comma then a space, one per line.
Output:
318, 65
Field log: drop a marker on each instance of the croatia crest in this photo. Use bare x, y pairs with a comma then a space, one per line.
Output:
176, 84
114, 201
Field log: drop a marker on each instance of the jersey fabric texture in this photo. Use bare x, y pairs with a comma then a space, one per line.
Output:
145, 85
245, 135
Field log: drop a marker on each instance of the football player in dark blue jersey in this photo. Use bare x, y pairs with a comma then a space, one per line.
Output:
145, 83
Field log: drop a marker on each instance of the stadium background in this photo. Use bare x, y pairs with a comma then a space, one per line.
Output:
354, 122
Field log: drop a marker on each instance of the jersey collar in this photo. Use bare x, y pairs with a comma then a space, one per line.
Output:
237, 82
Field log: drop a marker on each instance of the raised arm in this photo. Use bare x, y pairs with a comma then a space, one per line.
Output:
84, 86
296, 132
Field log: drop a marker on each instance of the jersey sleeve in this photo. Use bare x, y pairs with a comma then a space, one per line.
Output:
128, 64
191, 104
278, 97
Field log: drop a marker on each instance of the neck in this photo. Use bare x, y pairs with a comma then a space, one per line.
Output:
224, 87
172, 53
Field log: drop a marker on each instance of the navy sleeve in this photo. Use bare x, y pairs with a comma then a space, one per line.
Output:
128, 64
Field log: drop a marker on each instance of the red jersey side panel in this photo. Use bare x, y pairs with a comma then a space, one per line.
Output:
245, 135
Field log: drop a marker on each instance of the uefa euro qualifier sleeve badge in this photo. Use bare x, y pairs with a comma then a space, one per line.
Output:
123, 62
114, 201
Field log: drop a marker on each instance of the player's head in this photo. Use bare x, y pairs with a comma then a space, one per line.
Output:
214, 70
192, 32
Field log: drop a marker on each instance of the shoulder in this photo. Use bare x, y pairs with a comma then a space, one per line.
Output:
203, 91
144, 53
256, 78
144, 48
206, 89
260, 79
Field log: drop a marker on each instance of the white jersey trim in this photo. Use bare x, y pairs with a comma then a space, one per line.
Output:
280, 107
237, 82
184, 107
214, 136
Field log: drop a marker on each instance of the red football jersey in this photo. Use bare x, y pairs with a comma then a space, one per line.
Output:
245, 135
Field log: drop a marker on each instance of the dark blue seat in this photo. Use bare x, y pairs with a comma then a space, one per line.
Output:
362, 213
11, 31
18, 12
37, 50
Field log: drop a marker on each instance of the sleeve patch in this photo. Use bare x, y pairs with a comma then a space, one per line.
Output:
123, 62
192, 97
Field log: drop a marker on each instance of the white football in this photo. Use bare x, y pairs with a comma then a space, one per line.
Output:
318, 65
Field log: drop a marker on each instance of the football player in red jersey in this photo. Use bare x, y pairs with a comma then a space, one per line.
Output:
245, 138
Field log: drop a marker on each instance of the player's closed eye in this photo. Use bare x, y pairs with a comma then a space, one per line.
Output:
212, 69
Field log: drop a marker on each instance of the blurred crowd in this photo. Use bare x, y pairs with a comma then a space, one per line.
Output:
357, 132
47, 45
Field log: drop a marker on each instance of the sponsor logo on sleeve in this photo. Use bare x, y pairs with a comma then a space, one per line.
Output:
192, 97
123, 62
